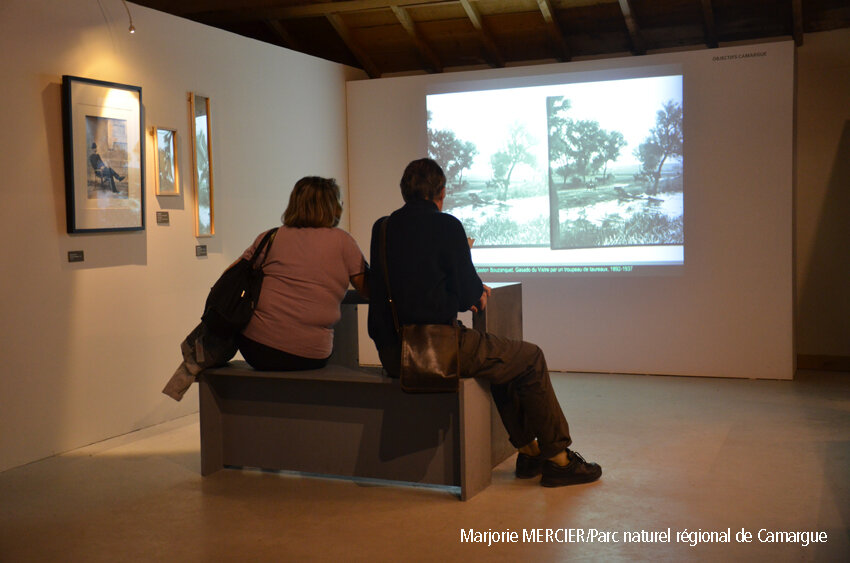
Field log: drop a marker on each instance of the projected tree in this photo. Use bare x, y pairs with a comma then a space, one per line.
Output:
579, 148
517, 150
556, 109
452, 154
583, 143
665, 141
612, 143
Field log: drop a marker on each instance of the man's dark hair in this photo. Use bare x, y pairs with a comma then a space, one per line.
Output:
423, 179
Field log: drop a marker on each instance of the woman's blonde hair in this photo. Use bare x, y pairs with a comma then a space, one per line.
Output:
313, 203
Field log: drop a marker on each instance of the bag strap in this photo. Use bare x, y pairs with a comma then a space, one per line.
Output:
269, 236
383, 243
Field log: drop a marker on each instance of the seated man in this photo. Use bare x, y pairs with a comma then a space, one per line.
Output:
432, 278
102, 169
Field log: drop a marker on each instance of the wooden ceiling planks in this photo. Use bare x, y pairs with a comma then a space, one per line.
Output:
403, 36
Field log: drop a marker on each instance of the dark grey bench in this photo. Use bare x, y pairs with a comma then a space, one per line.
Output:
349, 420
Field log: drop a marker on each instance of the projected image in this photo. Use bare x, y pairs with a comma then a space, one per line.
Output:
543, 170
493, 152
637, 202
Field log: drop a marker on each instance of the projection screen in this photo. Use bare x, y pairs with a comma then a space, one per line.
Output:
673, 256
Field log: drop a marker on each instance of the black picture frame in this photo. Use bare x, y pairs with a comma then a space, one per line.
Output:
104, 143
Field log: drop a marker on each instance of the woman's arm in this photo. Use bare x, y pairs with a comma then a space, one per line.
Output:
361, 283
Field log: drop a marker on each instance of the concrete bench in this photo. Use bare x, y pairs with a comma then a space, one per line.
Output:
349, 420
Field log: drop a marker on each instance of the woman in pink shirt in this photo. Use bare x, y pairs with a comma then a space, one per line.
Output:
308, 267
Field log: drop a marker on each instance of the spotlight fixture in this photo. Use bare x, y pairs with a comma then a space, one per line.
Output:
132, 28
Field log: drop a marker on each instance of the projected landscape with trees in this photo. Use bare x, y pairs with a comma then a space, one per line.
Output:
570, 166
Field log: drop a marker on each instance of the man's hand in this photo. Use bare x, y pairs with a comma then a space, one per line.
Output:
482, 302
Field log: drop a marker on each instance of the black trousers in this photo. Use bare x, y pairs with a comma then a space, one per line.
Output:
265, 358
520, 385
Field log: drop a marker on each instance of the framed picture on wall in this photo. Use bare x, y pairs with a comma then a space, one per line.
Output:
104, 155
202, 168
166, 169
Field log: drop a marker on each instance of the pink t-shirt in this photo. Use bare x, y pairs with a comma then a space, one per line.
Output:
307, 273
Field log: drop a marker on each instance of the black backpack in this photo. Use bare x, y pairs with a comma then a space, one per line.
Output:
232, 298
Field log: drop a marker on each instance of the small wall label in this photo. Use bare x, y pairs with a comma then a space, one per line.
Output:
76, 256
162, 217
201, 250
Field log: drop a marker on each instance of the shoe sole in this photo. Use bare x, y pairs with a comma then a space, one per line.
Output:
583, 481
554, 485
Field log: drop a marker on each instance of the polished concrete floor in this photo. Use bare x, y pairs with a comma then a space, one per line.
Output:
681, 455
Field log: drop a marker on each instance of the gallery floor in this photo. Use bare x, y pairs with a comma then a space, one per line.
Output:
680, 455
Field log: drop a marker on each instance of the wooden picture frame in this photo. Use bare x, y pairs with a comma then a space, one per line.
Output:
202, 167
104, 155
166, 166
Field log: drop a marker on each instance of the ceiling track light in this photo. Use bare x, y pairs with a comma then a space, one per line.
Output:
132, 28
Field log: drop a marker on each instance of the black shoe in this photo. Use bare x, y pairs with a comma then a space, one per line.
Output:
528, 466
576, 472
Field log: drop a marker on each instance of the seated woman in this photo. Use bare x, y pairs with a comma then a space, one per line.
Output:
308, 266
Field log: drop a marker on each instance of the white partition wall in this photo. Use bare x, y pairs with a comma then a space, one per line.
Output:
728, 312
88, 346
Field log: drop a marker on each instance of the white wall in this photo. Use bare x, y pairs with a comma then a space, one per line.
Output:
87, 347
730, 313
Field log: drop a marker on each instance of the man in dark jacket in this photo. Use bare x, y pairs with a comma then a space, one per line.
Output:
103, 170
432, 278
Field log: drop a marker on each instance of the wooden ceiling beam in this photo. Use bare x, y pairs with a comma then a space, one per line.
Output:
632, 26
493, 54
562, 51
353, 46
797, 22
708, 24
189, 8
428, 54
281, 33
321, 9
